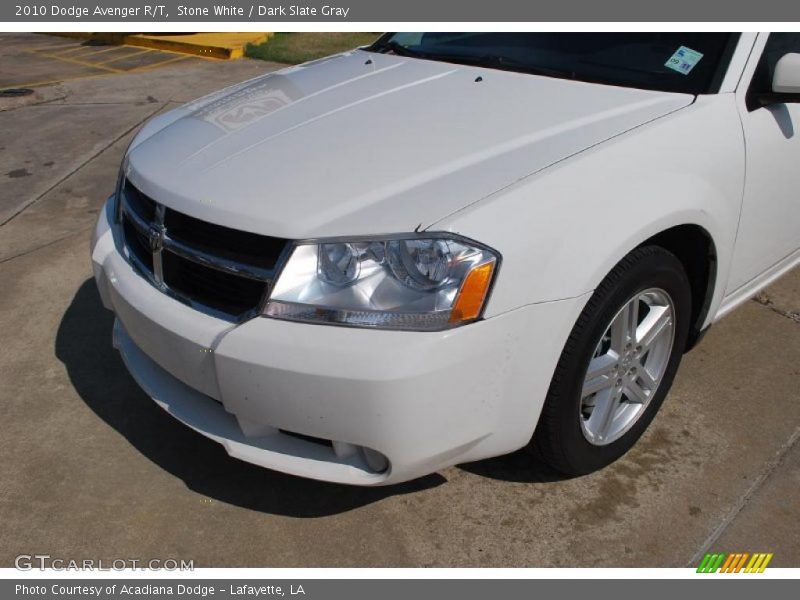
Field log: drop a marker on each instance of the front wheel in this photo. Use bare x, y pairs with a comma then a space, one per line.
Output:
618, 363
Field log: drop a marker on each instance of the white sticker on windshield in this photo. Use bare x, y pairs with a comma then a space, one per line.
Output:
684, 60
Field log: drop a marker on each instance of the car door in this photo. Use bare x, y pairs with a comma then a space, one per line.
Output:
769, 225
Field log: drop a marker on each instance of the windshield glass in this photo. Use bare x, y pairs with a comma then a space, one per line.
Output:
673, 62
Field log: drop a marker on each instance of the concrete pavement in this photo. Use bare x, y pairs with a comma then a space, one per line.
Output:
92, 468
39, 60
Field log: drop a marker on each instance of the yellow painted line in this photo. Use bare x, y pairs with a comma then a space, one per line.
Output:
44, 52
131, 55
159, 64
109, 48
106, 49
83, 64
73, 49
205, 45
172, 52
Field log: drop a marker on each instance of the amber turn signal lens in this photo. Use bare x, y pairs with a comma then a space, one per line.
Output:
473, 292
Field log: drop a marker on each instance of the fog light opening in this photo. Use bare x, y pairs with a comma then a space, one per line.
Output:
375, 460
344, 450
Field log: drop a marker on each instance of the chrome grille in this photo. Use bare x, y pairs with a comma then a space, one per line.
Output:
221, 271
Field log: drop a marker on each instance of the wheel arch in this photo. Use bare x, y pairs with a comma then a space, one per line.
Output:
694, 247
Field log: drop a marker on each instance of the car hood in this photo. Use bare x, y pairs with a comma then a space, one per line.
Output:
366, 143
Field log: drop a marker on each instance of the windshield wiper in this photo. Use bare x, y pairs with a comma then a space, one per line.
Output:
504, 63
396, 48
490, 61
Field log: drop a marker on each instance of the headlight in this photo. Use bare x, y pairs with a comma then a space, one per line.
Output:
414, 282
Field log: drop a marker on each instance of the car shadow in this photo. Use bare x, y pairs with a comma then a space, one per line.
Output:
783, 119
518, 467
83, 344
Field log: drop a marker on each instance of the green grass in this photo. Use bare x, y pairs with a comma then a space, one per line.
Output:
295, 48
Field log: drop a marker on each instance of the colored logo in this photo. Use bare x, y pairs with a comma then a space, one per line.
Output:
740, 562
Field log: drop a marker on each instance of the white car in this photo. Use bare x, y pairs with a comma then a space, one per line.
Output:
447, 247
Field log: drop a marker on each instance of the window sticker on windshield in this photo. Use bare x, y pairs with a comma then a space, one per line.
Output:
684, 60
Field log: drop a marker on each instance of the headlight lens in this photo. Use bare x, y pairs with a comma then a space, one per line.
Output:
415, 283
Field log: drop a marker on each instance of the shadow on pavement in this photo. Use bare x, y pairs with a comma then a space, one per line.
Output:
519, 467
83, 344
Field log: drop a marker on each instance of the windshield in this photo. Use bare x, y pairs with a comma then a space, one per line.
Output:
691, 63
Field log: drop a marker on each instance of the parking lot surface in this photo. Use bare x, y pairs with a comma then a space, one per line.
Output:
92, 468
42, 60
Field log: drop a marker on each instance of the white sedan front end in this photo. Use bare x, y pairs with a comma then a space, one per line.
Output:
370, 267
343, 404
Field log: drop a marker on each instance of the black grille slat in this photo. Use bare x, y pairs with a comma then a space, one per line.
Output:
215, 289
231, 244
137, 245
142, 205
206, 265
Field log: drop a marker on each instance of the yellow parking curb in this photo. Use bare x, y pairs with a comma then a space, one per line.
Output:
224, 46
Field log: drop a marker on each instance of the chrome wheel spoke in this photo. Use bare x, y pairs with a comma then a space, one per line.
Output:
648, 381
623, 327
601, 374
628, 365
604, 411
635, 393
657, 323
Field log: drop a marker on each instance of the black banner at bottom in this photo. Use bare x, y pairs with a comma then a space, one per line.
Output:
396, 589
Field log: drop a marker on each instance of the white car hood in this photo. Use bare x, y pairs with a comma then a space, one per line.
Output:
366, 143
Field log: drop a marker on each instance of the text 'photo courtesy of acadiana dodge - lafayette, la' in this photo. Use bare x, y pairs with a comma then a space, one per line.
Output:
160, 11
148, 589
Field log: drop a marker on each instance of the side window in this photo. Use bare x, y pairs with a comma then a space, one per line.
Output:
778, 44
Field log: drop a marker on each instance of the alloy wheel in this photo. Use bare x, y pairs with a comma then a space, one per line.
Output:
627, 366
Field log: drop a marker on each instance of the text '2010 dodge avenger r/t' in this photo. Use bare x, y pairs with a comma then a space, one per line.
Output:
449, 246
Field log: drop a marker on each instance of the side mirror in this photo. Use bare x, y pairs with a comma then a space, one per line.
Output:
786, 77
785, 82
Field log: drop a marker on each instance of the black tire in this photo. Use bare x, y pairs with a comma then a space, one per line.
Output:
559, 439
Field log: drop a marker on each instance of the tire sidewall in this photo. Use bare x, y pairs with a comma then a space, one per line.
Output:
657, 269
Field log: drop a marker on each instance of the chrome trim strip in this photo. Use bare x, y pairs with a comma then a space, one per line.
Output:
159, 240
155, 237
217, 262
144, 271
188, 252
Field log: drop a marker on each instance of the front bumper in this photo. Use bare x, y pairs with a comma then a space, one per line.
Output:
265, 388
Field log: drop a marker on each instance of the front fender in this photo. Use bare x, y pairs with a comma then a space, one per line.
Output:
561, 231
